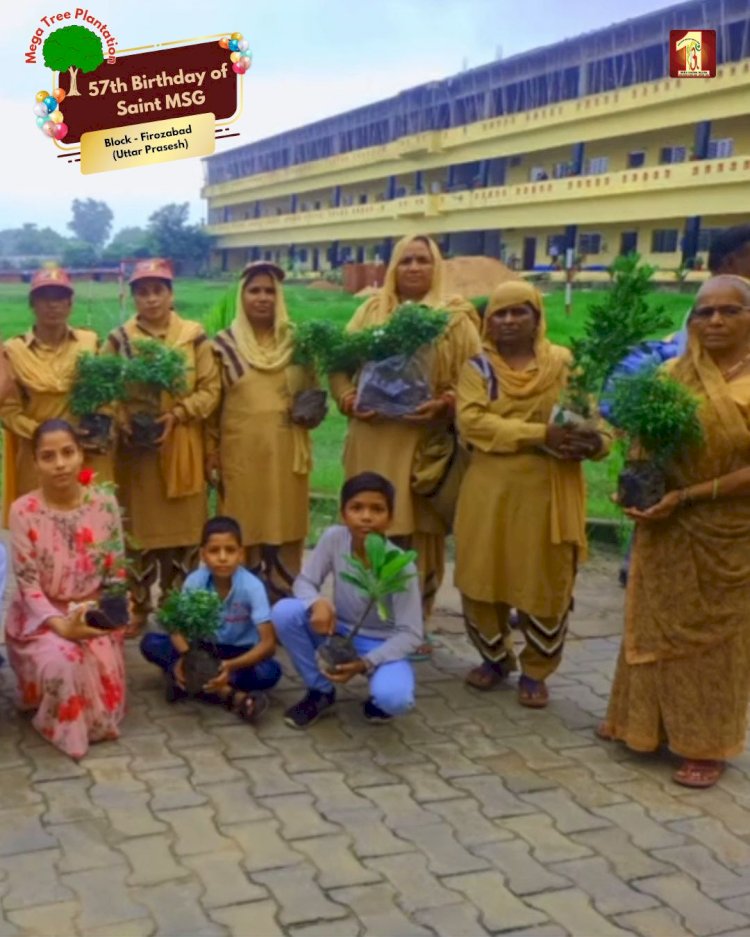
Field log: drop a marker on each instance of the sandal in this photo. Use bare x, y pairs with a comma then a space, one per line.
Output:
532, 693
424, 651
603, 733
485, 677
698, 772
248, 706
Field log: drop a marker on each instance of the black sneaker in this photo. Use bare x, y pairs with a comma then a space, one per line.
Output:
173, 692
309, 709
375, 714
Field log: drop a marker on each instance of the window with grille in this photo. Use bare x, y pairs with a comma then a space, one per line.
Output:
597, 165
719, 149
636, 159
673, 154
664, 240
589, 243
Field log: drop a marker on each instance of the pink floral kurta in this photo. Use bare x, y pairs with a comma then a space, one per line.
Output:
76, 688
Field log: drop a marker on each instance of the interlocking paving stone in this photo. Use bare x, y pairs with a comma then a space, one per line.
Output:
398, 806
16, 789
657, 922
195, 831
451, 920
233, 803
585, 789
298, 817
473, 743
415, 886
547, 845
572, 910
84, 845
370, 836
151, 860
299, 896
610, 896
32, 878
701, 914
171, 789
241, 920
238, 741
223, 880
104, 897
176, 908
445, 855
660, 804
376, 908
470, 826
498, 908
713, 878
261, 845
731, 810
68, 800
267, 776
727, 848
361, 770
150, 753
45, 920
494, 797
450, 762
523, 874
644, 831
300, 754
629, 861
335, 861
207, 766
141, 927
567, 816
425, 783
21, 830
331, 792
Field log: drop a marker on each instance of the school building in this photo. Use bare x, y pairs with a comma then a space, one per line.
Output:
586, 143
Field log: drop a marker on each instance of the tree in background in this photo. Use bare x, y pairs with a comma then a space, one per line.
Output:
79, 254
171, 236
92, 221
128, 242
30, 240
70, 49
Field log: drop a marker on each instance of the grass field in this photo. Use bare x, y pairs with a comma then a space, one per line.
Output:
97, 306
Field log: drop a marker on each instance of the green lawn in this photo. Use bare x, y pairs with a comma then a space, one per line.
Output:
97, 306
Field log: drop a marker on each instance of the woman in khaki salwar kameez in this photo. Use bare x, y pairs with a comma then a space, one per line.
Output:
520, 522
163, 491
388, 447
43, 362
683, 675
260, 457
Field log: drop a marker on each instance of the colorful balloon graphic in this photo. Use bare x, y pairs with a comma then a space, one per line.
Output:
41, 95
57, 117
246, 61
50, 103
235, 56
41, 121
236, 35
244, 45
59, 95
239, 69
224, 43
234, 45
51, 129
40, 109
61, 131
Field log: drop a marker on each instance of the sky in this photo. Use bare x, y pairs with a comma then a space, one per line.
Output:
311, 59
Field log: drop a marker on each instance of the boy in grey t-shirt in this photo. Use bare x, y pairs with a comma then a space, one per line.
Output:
303, 623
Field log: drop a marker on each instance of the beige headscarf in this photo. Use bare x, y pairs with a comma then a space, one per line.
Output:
274, 355
568, 514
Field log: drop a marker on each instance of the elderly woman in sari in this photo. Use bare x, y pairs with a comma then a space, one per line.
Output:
43, 362
258, 452
387, 446
520, 522
683, 675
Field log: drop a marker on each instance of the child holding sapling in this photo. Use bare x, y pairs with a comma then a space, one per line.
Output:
244, 642
376, 610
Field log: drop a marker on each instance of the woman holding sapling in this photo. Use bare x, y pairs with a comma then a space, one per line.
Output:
43, 362
65, 539
259, 449
390, 446
683, 675
161, 484
520, 522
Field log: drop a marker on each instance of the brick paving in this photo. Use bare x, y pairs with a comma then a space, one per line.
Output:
469, 816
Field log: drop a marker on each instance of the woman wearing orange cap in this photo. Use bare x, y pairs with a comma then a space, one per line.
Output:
162, 491
258, 450
43, 362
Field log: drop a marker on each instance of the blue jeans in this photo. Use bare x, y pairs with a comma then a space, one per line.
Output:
391, 685
158, 649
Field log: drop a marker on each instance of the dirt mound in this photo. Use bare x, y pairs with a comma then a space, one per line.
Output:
475, 276
324, 285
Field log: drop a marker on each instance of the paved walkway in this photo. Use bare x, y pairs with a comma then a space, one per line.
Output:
467, 817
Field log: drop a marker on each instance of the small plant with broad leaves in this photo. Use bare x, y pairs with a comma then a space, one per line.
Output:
384, 572
99, 382
659, 416
154, 367
196, 615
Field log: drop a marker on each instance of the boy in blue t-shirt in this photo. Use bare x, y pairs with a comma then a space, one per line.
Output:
245, 641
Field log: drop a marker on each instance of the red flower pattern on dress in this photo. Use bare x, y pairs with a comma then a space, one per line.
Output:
71, 709
33, 535
87, 535
86, 476
32, 505
111, 693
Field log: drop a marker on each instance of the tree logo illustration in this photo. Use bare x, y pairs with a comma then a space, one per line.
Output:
70, 49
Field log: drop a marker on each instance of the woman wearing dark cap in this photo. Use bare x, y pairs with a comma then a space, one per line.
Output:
259, 450
163, 491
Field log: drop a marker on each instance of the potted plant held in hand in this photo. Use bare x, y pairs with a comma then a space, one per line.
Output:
196, 615
153, 369
659, 417
99, 382
382, 573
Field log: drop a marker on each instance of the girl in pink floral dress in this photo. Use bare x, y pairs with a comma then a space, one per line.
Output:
64, 537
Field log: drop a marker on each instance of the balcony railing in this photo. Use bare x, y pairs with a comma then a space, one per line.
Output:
734, 76
692, 175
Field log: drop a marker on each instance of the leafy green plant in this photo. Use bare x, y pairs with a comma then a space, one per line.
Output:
409, 328
158, 365
383, 573
658, 413
99, 380
194, 613
624, 319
